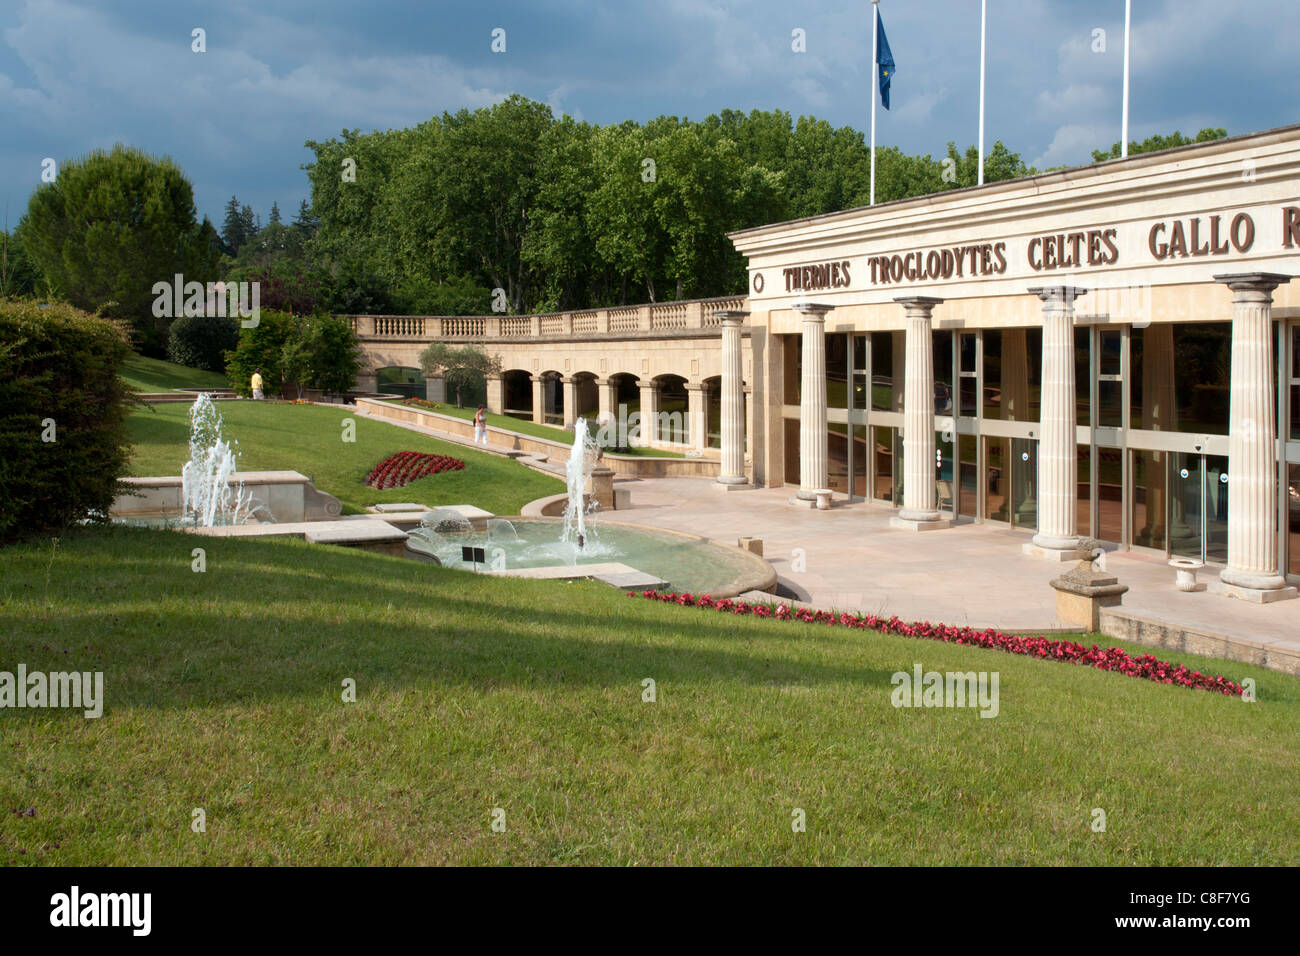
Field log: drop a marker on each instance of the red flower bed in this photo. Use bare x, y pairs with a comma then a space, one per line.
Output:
1103, 658
406, 466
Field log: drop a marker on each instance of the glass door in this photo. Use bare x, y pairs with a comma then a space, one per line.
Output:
1198, 507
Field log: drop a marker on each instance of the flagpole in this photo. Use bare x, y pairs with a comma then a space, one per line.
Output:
983, 15
1123, 139
875, 81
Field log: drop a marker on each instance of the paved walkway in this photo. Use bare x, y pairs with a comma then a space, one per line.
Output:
850, 559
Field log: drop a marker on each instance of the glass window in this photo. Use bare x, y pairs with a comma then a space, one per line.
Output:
1082, 377
1149, 499
1179, 377
993, 373
860, 352
837, 371
968, 351
1110, 359
886, 394
942, 372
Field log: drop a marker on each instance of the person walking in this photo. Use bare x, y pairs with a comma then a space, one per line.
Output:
480, 426
256, 384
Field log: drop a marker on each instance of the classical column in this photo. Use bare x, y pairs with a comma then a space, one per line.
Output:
813, 451
697, 425
1252, 571
570, 400
920, 499
539, 400
607, 398
733, 400
435, 389
496, 394
649, 427
1058, 455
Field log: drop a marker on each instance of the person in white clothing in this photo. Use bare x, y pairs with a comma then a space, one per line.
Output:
480, 426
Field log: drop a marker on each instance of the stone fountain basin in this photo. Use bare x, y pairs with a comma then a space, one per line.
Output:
288, 495
686, 562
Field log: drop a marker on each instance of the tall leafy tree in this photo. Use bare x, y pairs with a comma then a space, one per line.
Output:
113, 224
275, 213
461, 368
1153, 143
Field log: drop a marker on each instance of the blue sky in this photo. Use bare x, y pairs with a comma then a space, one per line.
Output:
77, 75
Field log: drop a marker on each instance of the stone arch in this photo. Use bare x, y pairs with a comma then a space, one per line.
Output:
672, 407
400, 380
552, 410
586, 395
517, 393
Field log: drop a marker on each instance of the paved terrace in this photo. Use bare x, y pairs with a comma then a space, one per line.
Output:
969, 574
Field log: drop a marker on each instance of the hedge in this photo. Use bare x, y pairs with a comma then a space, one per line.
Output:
199, 341
63, 437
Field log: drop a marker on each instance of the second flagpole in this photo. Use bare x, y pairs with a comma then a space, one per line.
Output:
875, 80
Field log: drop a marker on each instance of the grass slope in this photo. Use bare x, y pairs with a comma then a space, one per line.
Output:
223, 692
155, 375
309, 439
523, 427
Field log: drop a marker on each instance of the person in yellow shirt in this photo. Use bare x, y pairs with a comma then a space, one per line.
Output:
256, 383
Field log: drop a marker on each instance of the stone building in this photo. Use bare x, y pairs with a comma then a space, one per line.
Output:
1111, 350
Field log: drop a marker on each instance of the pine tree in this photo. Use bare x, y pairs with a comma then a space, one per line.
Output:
248, 222
275, 212
305, 222
232, 230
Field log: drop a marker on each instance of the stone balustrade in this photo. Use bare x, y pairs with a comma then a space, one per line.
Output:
678, 318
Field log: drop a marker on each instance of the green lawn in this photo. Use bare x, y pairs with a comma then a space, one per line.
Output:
155, 375
276, 436
223, 692
525, 427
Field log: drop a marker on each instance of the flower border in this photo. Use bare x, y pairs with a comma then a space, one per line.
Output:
1114, 659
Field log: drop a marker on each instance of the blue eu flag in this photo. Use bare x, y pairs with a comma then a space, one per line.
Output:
884, 60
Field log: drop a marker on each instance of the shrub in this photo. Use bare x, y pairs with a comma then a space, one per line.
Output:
261, 346
63, 436
196, 341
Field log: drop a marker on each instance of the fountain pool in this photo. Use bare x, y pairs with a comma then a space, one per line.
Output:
688, 563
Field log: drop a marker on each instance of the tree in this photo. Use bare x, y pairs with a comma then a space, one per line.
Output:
295, 359
18, 274
247, 223
305, 223
232, 228
334, 353
275, 212
1153, 143
111, 226
460, 367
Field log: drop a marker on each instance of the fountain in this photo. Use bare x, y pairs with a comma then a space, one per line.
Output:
521, 544
207, 495
577, 473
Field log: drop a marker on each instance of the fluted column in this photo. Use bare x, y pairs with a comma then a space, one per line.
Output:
1058, 456
920, 510
733, 400
539, 400
1252, 571
813, 446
